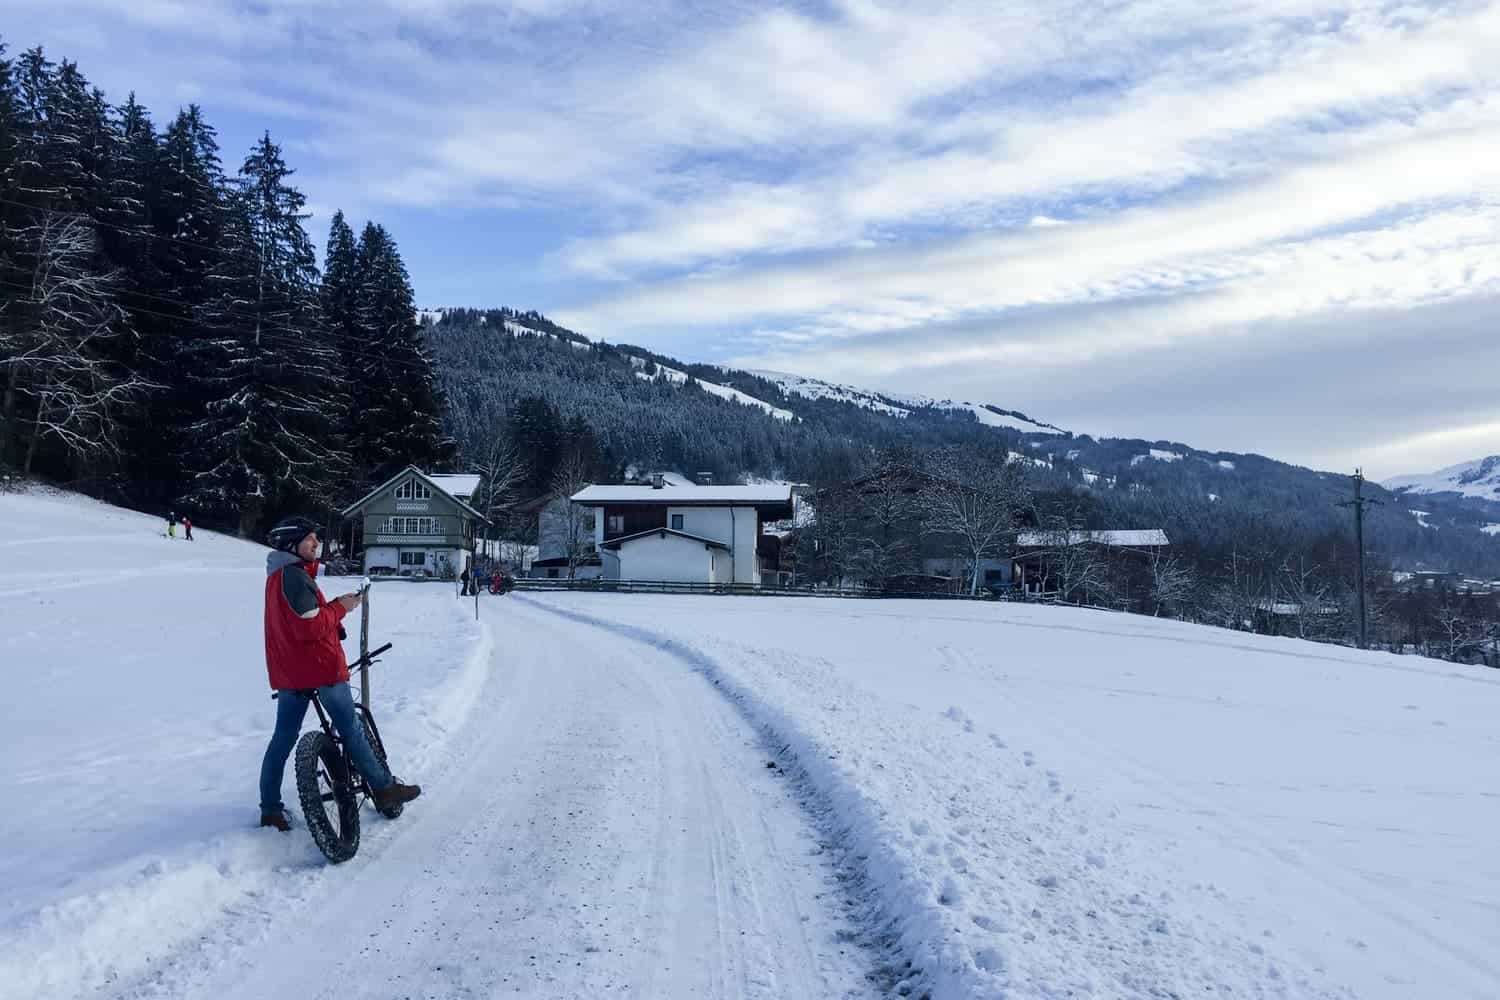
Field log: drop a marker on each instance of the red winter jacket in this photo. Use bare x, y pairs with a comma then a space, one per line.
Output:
302, 629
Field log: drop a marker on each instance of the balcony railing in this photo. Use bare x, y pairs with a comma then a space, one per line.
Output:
444, 541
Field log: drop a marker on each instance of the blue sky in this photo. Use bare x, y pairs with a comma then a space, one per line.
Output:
1253, 225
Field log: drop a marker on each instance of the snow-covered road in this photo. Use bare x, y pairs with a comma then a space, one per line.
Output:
597, 819
604, 825
971, 800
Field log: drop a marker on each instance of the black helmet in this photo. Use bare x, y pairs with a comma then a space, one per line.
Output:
288, 534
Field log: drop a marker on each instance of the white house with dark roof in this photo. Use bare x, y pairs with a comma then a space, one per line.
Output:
674, 531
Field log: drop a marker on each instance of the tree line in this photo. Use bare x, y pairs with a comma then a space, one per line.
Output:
166, 337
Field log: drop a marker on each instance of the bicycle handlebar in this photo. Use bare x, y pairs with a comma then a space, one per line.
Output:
367, 659
357, 665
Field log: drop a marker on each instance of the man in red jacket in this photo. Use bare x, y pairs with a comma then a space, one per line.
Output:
302, 653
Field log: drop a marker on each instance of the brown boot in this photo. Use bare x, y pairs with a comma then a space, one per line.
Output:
395, 794
277, 820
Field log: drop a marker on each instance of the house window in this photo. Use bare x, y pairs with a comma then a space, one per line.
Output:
615, 524
414, 559
551, 572
676, 522
413, 490
412, 526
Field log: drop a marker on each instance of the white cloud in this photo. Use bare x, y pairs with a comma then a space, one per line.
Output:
877, 187
1253, 110
1213, 240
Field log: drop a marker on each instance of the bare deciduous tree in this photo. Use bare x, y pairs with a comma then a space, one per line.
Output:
1244, 593
53, 348
888, 517
974, 496
1307, 596
577, 524
1074, 563
830, 534
1172, 582
502, 473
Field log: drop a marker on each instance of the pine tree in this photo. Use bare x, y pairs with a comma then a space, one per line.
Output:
145, 472
11, 276
398, 403
339, 298
187, 210
269, 441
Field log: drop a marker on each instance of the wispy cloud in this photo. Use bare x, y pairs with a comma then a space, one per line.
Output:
874, 190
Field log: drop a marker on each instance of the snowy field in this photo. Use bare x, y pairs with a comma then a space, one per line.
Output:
135, 713
1053, 802
969, 800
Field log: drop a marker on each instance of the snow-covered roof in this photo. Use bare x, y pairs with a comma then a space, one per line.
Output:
459, 484
1133, 538
411, 470
686, 495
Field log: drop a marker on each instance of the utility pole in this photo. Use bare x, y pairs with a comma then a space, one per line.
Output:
364, 644
1358, 503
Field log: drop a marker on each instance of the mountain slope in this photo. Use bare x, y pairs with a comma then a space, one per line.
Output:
904, 405
647, 408
1479, 479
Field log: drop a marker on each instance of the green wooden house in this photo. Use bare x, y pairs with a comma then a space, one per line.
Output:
416, 524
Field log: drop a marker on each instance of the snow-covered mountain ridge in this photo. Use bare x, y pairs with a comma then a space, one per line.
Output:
902, 405
1479, 478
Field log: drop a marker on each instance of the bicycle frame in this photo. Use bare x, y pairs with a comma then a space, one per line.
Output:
362, 786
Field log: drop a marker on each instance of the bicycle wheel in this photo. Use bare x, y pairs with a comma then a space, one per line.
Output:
327, 796
372, 736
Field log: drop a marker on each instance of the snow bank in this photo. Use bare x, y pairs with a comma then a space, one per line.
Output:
1050, 802
135, 716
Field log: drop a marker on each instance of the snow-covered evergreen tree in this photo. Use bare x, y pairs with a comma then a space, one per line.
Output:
270, 436
398, 405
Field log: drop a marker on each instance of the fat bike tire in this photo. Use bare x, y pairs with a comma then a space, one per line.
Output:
326, 791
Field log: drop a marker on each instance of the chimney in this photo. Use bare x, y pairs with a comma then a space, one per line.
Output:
657, 480
704, 479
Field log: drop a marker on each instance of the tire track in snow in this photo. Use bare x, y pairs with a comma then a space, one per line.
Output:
851, 865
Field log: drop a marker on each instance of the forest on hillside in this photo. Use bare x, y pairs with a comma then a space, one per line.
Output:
167, 340
1213, 501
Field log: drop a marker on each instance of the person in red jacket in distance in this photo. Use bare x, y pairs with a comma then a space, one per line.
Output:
302, 653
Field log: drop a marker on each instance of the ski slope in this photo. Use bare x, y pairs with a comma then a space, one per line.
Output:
969, 800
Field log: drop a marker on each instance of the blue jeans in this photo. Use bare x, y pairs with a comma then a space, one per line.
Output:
291, 707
